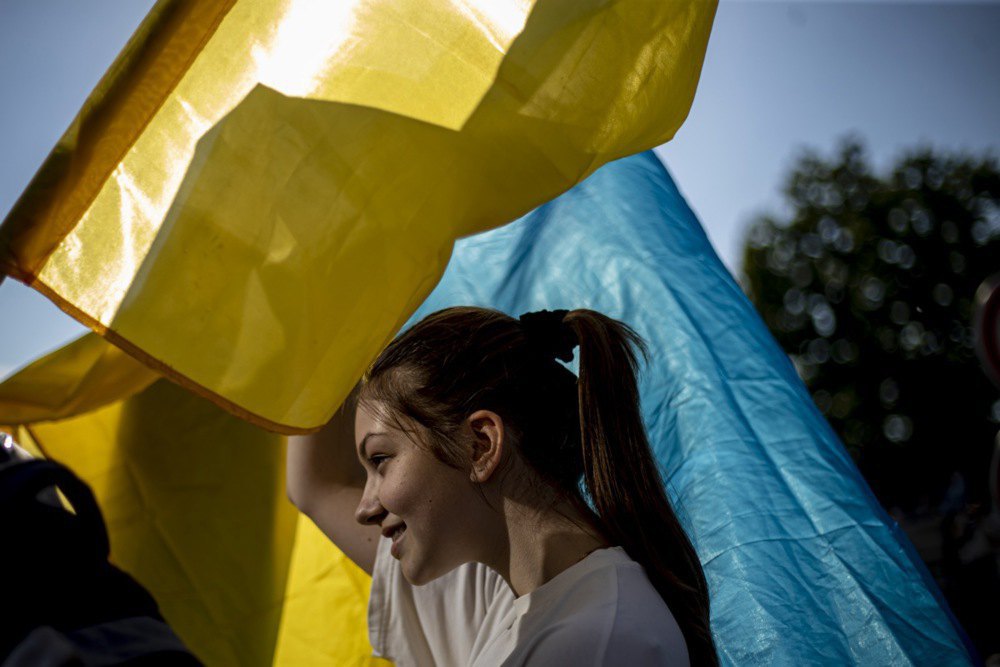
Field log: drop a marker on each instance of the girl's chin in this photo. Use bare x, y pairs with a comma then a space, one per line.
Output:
415, 578
415, 572
426, 572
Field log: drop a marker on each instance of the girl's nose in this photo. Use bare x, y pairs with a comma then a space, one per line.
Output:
370, 510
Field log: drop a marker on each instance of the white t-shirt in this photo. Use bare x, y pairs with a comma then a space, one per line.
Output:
601, 611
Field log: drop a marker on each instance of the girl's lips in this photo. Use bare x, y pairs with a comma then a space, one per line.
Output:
394, 549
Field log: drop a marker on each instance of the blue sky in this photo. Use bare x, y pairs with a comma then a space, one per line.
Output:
778, 77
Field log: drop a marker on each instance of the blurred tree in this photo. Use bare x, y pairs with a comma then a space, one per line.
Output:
868, 285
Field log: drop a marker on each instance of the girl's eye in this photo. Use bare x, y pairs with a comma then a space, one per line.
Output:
377, 460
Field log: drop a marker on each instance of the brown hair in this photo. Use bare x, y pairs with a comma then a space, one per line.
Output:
459, 360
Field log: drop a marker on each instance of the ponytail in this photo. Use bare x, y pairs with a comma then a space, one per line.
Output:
623, 480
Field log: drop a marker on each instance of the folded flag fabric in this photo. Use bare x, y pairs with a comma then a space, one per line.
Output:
260, 192
77, 379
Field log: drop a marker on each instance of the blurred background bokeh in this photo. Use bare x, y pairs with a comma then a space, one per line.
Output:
843, 159
869, 283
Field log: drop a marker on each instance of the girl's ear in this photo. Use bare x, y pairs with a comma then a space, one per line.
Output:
487, 444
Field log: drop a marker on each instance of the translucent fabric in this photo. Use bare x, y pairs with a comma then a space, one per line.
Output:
260, 192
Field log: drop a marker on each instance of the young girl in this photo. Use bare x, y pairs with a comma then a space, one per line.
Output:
468, 510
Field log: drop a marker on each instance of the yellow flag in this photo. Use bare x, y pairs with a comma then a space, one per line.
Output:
260, 192
196, 510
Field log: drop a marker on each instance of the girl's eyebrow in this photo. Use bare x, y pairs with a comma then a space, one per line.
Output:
364, 442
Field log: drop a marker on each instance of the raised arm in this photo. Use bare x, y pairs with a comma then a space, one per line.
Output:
325, 481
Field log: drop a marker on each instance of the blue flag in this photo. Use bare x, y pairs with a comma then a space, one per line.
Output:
803, 564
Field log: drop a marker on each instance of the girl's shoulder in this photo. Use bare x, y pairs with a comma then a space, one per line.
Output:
602, 611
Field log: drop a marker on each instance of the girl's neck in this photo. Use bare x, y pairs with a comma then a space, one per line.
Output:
541, 545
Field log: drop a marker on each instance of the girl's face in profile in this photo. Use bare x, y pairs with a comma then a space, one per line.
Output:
408, 488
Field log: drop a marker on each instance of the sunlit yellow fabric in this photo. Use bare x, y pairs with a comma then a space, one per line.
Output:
196, 510
79, 378
283, 179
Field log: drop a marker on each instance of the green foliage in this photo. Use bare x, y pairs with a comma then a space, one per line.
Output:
869, 285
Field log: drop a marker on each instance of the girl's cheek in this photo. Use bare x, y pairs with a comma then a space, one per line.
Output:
392, 496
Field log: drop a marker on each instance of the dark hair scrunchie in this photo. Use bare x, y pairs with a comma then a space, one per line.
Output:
549, 335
